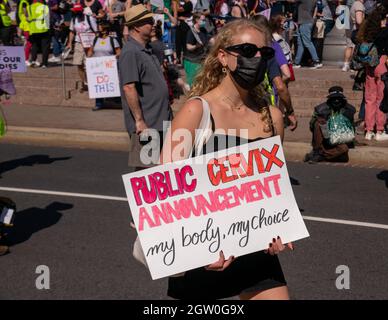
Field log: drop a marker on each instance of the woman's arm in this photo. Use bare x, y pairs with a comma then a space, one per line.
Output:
71, 38
173, 20
117, 52
192, 47
90, 52
180, 137
286, 73
277, 120
101, 14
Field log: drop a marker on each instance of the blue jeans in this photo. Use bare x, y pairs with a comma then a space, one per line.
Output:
57, 46
305, 41
99, 102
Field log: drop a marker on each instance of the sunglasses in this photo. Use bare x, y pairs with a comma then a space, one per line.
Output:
145, 22
249, 50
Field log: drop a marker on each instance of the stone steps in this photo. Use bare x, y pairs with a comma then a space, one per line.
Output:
44, 87
298, 92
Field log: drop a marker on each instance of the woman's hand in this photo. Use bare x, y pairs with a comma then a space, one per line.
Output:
221, 264
276, 246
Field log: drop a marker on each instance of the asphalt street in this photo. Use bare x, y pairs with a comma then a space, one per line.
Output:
87, 242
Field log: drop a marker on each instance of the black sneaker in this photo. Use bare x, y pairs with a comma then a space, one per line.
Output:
96, 108
313, 157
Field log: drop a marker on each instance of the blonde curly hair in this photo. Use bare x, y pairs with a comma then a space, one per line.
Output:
211, 74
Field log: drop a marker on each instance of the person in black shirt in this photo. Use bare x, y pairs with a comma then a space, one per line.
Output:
184, 12
95, 7
196, 43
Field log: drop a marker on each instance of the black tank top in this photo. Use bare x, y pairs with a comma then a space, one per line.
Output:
219, 142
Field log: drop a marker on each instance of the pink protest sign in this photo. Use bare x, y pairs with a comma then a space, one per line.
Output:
235, 200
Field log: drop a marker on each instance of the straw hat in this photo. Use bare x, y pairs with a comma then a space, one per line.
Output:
136, 13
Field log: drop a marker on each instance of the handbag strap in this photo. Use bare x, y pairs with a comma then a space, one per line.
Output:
204, 131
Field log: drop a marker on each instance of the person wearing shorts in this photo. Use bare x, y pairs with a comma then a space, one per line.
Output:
80, 23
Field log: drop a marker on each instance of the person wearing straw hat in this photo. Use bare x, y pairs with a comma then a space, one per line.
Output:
144, 91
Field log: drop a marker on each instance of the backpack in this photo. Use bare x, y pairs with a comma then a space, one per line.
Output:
340, 129
111, 40
365, 55
88, 21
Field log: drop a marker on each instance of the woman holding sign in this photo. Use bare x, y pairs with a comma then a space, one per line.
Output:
103, 45
229, 84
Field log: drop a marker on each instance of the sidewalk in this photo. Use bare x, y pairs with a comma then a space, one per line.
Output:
105, 129
39, 114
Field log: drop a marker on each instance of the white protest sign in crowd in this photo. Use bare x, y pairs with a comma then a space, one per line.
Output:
103, 78
236, 200
158, 3
12, 58
87, 39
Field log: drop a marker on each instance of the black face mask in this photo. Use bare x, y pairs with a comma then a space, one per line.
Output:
250, 72
336, 103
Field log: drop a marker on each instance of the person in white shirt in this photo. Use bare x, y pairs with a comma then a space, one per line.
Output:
81, 23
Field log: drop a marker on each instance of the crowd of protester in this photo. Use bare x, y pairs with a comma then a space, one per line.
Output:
182, 39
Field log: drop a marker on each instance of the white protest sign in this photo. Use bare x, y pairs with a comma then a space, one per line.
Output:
103, 78
343, 17
13, 58
266, 13
236, 200
160, 17
87, 39
158, 3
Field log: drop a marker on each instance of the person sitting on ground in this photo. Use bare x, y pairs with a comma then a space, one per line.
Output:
323, 150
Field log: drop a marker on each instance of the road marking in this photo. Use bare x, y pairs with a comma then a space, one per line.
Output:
102, 197
348, 222
66, 194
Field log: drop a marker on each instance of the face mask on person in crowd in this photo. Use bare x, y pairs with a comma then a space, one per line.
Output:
336, 103
250, 70
202, 24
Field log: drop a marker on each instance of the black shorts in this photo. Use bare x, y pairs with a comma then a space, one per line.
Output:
254, 272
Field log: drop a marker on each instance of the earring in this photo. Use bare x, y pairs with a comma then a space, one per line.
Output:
223, 70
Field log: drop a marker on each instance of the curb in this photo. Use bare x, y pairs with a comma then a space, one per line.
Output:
119, 141
105, 140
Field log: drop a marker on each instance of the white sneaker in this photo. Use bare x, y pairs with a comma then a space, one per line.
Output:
317, 65
28, 63
345, 68
54, 59
369, 135
381, 136
35, 64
